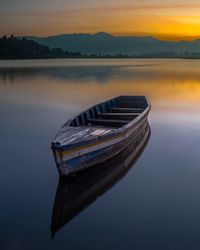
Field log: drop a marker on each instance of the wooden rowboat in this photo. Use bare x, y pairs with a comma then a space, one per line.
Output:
75, 193
99, 133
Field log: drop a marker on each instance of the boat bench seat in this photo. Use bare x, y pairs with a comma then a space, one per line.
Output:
118, 114
107, 122
128, 104
126, 110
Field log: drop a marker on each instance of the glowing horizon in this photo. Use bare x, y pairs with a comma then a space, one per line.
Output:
166, 20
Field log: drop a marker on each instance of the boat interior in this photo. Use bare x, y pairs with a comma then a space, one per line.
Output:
113, 113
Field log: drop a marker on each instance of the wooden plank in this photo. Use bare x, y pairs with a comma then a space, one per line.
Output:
128, 110
131, 105
130, 97
92, 136
65, 132
104, 121
74, 136
130, 102
118, 114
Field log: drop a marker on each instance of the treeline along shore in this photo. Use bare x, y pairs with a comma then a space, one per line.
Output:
22, 48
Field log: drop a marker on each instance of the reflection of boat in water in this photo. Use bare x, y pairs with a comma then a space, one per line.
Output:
74, 193
99, 133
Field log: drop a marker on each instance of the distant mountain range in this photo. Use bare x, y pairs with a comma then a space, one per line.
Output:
107, 44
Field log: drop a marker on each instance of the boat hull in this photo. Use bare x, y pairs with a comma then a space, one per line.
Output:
101, 152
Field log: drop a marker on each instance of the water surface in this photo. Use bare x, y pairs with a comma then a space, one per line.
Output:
155, 206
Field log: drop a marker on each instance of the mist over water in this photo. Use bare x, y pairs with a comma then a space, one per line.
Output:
154, 206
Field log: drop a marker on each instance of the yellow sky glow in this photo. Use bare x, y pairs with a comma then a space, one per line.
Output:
166, 20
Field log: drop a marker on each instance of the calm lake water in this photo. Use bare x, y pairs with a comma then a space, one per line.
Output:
156, 205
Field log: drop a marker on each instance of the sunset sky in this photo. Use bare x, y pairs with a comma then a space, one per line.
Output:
165, 19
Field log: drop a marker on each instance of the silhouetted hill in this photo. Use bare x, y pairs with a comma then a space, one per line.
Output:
107, 44
16, 48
